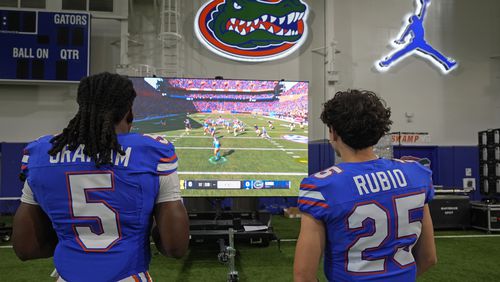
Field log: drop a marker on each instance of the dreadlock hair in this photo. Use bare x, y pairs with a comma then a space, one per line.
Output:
359, 117
103, 99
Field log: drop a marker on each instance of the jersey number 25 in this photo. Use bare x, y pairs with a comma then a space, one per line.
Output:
357, 260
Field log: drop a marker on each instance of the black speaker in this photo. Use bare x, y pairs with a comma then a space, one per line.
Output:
450, 212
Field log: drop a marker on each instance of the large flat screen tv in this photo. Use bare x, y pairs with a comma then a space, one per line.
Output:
260, 127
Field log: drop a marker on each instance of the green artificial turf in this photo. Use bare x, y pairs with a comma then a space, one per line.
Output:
459, 259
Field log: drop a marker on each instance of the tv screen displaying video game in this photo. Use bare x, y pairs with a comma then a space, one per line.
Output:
233, 138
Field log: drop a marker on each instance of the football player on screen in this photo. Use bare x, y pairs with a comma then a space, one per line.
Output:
187, 126
271, 125
213, 131
205, 127
236, 127
91, 193
264, 134
227, 125
257, 130
217, 145
368, 216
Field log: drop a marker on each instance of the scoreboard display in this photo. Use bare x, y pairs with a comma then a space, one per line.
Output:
43, 46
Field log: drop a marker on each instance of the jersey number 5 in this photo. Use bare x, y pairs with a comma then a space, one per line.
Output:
357, 259
98, 211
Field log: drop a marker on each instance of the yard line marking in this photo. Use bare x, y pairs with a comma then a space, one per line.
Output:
466, 236
244, 173
295, 157
210, 137
9, 198
280, 147
250, 129
243, 149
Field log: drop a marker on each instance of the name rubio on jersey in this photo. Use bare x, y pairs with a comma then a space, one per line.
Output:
380, 181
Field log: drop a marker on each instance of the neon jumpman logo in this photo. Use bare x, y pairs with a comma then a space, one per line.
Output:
417, 43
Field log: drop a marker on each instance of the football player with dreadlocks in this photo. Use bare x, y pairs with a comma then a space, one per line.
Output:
91, 192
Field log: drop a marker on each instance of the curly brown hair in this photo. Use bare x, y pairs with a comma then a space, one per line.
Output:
359, 117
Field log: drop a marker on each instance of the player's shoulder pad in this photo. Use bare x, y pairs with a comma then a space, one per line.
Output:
313, 194
423, 168
37, 142
322, 178
158, 147
154, 141
414, 165
31, 151
327, 174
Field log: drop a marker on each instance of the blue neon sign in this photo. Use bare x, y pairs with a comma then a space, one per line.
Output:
411, 40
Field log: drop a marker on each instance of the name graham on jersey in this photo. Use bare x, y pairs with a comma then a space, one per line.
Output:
380, 181
67, 156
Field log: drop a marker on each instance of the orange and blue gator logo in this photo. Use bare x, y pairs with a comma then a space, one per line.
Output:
252, 30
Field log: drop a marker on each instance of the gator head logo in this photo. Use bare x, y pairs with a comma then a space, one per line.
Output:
252, 30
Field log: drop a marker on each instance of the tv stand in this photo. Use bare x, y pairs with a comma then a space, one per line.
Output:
210, 226
222, 227
227, 254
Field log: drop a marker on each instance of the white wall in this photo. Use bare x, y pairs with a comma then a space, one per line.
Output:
27, 112
198, 61
452, 108
30, 111
37, 119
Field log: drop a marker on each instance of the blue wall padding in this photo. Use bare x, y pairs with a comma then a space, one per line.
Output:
448, 164
12, 153
464, 157
10, 185
321, 156
429, 152
446, 155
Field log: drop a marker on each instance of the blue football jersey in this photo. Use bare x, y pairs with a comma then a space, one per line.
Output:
216, 144
372, 212
102, 216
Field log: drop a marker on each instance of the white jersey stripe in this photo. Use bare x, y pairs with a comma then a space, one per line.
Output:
166, 166
311, 194
143, 277
336, 169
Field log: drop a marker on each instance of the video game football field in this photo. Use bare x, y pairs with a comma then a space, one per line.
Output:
244, 153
